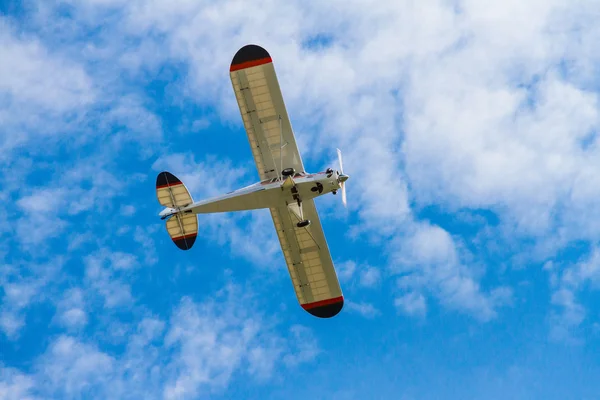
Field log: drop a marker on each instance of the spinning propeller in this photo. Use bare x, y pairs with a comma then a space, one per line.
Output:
342, 178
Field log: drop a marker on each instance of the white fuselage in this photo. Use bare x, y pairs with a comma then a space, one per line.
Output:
266, 194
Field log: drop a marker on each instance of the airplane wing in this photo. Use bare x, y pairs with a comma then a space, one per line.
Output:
308, 260
264, 114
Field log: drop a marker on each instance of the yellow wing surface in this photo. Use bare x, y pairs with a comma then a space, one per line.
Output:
274, 148
172, 193
264, 114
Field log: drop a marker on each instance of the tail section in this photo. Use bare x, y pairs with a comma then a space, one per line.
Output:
172, 193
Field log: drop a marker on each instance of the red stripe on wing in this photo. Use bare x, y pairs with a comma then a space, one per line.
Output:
189, 235
248, 64
169, 185
322, 303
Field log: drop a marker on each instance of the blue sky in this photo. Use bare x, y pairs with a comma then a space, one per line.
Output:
469, 254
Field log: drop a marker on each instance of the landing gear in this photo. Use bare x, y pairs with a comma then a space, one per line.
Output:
288, 172
303, 222
334, 191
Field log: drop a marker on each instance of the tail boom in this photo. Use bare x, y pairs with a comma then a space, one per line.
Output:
251, 198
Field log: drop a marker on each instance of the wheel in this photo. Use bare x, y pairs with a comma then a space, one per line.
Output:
288, 172
302, 224
334, 191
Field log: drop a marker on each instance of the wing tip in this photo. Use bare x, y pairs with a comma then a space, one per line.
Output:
248, 56
325, 309
166, 178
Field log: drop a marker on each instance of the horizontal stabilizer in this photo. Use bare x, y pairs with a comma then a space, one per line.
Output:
172, 193
183, 229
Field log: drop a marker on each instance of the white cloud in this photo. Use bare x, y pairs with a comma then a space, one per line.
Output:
213, 340
428, 260
303, 346
570, 316
443, 107
377, 108
127, 210
448, 83
412, 303
144, 238
469, 109
38, 88
44, 200
345, 270
44, 214
198, 351
31, 74
207, 361
370, 276
35, 229
74, 317
102, 276
122, 260
23, 285
76, 368
573, 280
367, 310
129, 113
11, 323
15, 385
71, 309
354, 274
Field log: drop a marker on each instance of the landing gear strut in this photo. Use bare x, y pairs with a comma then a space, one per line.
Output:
303, 222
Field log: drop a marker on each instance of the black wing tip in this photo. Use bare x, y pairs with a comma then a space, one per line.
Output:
250, 52
185, 243
166, 178
328, 310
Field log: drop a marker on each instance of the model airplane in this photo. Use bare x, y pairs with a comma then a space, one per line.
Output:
285, 187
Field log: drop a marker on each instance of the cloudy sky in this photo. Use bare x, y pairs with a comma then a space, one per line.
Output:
469, 255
